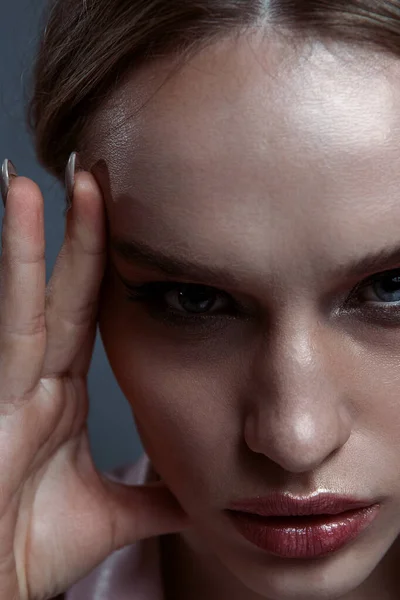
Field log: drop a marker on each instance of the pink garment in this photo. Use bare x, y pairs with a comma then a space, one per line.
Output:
132, 573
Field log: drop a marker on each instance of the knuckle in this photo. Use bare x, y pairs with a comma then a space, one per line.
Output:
79, 316
88, 247
34, 326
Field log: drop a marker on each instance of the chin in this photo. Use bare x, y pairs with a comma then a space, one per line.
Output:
286, 585
330, 578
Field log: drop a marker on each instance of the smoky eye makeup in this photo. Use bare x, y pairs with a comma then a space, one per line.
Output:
184, 303
377, 298
198, 305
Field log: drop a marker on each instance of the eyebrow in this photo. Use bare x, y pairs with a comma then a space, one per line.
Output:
384, 259
141, 254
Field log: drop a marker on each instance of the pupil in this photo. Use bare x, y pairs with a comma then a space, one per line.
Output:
389, 286
195, 299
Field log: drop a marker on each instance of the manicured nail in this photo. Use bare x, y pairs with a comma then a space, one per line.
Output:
72, 167
7, 172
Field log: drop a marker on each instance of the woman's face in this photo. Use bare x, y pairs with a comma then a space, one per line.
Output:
268, 176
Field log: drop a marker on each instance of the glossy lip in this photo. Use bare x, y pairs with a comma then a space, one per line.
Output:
284, 505
297, 539
302, 528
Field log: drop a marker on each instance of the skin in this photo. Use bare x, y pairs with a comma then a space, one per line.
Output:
280, 166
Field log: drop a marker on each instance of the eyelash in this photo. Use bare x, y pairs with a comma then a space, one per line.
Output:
388, 312
152, 295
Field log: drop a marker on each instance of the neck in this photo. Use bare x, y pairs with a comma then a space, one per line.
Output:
191, 572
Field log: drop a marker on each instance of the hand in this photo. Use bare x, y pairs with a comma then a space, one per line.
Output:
59, 517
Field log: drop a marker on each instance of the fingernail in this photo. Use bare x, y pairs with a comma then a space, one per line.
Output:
71, 169
7, 172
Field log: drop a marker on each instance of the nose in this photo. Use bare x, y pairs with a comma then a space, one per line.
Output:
298, 415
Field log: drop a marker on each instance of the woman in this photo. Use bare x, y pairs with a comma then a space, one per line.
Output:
234, 230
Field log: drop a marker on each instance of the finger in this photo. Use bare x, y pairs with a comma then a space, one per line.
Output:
22, 290
72, 292
143, 511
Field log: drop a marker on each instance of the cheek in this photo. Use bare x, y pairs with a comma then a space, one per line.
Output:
368, 381
379, 400
183, 402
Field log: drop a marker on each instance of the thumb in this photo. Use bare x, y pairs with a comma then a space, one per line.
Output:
142, 511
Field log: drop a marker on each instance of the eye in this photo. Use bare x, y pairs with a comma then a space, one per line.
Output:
184, 303
195, 299
377, 299
384, 288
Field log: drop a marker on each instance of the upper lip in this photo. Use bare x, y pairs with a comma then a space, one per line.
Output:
278, 504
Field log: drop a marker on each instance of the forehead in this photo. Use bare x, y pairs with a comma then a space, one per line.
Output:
254, 135
257, 86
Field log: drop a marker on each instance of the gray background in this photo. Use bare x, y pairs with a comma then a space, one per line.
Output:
112, 431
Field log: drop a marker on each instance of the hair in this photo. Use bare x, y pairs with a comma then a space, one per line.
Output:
89, 46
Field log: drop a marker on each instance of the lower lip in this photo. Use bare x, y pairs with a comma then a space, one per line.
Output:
303, 537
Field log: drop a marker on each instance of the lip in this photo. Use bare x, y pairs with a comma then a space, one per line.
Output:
285, 505
307, 527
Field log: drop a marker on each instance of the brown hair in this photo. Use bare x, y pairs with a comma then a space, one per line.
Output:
88, 46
